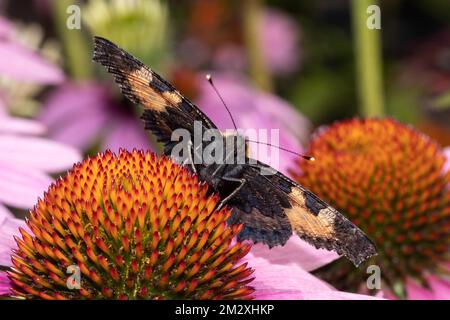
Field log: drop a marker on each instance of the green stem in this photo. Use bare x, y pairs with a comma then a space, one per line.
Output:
368, 61
253, 15
76, 51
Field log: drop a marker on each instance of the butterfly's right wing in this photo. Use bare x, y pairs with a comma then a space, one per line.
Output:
165, 109
271, 207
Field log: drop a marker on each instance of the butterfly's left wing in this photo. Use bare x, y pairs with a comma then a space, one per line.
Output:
273, 206
165, 109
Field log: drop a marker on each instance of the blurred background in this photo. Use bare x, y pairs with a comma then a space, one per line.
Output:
289, 65
297, 55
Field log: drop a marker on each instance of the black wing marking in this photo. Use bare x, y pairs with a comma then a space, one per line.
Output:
271, 206
165, 109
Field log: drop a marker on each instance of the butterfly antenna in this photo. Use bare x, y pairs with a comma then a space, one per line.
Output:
209, 78
309, 158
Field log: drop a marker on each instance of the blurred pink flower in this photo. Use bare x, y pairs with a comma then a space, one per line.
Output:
22, 64
281, 42
26, 160
280, 37
253, 109
82, 114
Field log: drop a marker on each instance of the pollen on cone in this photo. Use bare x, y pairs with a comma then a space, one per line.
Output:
134, 226
389, 180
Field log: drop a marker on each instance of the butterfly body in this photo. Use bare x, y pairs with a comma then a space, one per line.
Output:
270, 206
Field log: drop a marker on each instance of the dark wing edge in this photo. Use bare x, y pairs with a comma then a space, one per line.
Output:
165, 109
311, 218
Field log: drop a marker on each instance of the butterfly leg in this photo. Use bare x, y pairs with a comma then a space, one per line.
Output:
219, 167
235, 191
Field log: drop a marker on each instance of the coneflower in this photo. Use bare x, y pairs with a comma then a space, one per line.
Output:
390, 180
135, 226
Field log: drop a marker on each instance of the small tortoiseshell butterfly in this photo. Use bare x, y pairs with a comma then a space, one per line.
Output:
271, 207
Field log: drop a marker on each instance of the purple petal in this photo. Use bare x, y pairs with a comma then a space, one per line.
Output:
126, 134
5, 284
338, 295
77, 113
38, 153
416, 292
21, 126
21, 186
295, 252
72, 99
9, 227
439, 286
24, 65
4, 212
274, 281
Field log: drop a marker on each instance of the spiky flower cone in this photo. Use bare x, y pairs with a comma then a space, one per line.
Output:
389, 180
136, 227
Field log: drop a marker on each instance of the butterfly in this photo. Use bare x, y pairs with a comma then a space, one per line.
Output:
271, 207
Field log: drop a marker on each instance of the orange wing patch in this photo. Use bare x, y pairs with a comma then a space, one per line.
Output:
306, 223
137, 82
172, 97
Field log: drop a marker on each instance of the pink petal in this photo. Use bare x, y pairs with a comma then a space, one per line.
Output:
338, 295
21, 126
416, 292
5, 284
4, 212
76, 114
9, 227
81, 132
21, 186
71, 100
282, 280
38, 153
127, 134
295, 252
24, 65
277, 281
439, 286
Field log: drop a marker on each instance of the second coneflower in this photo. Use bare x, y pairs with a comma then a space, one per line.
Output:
390, 180
135, 227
